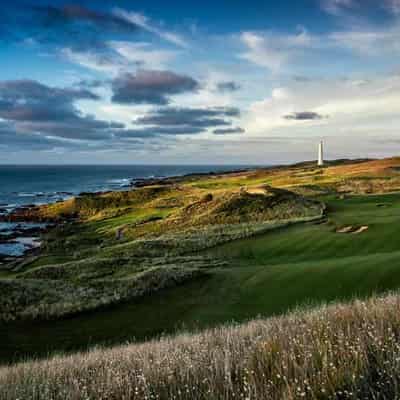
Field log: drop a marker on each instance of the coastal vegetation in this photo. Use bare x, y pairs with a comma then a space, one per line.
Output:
195, 252
97, 266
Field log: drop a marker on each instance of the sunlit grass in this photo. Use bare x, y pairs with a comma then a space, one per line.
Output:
336, 352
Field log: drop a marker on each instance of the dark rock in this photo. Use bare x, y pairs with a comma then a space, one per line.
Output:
81, 194
65, 193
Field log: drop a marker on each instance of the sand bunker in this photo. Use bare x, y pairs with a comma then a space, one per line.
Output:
361, 229
352, 229
345, 229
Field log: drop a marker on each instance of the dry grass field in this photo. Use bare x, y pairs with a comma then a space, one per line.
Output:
342, 351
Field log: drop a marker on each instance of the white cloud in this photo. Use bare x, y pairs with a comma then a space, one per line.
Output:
122, 56
263, 52
342, 8
337, 7
355, 107
283, 53
94, 61
142, 54
274, 50
123, 114
371, 42
142, 21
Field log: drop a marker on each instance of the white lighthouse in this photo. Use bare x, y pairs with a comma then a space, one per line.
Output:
321, 154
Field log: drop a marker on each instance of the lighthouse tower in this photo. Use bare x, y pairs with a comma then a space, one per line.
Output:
321, 154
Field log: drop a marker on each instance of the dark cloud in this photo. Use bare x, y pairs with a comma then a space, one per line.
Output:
75, 26
37, 116
13, 141
28, 100
150, 87
39, 109
228, 86
188, 116
304, 116
24, 89
75, 13
228, 131
184, 120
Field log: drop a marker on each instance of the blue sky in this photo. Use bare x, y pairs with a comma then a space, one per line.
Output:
218, 82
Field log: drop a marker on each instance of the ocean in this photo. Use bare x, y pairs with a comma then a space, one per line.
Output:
22, 185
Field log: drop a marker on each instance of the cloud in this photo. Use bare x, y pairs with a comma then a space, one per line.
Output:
368, 41
337, 7
262, 52
151, 132
141, 54
150, 87
345, 7
28, 100
228, 86
188, 116
98, 40
228, 131
296, 54
304, 116
75, 13
12, 141
118, 56
142, 21
101, 61
34, 108
90, 83
74, 26
181, 121
356, 107
272, 50
30, 89
392, 6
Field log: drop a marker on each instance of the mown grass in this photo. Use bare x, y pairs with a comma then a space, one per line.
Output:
337, 352
314, 242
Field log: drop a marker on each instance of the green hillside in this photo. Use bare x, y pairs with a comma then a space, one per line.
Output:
267, 274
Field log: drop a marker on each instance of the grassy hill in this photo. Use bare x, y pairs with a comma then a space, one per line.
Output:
94, 267
204, 250
336, 352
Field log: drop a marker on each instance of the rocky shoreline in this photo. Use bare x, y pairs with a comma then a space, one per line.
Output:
18, 240
22, 228
21, 233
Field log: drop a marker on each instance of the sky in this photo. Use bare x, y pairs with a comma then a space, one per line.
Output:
211, 82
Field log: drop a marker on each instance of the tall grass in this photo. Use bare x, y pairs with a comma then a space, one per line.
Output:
334, 352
